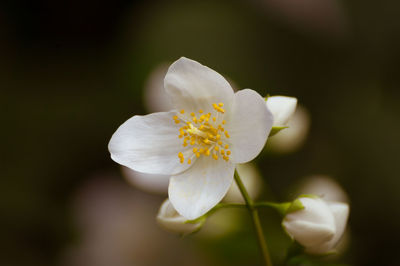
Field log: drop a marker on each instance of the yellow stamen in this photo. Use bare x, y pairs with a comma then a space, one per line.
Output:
215, 156
182, 111
226, 146
189, 161
228, 152
201, 111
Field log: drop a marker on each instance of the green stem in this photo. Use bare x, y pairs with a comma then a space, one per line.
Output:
255, 218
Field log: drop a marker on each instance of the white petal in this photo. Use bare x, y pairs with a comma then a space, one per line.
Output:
308, 233
340, 212
149, 144
195, 191
249, 124
171, 220
282, 108
147, 182
193, 86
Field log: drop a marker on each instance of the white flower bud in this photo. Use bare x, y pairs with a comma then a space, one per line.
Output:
169, 219
292, 138
282, 109
319, 226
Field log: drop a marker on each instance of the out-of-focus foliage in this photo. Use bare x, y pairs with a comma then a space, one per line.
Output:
73, 71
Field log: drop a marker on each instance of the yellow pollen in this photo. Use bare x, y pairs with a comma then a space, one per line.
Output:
204, 137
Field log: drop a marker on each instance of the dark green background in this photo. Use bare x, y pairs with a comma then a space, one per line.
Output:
72, 71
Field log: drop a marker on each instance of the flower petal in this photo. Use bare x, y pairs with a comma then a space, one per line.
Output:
249, 125
149, 144
195, 191
308, 233
282, 108
169, 219
193, 86
340, 212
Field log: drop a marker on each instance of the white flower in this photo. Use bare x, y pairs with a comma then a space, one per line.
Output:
282, 109
157, 184
292, 138
155, 97
197, 144
319, 226
171, 220
323, 186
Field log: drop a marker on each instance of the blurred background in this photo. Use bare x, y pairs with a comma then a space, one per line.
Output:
73, 71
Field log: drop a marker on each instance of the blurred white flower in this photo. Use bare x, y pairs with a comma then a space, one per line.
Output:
323, 186
293, 137
251, 179
116, 226
156, 98
157, 184
319, 226
171, 220
208, 109
282, 109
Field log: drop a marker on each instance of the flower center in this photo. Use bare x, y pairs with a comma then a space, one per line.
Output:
205, 133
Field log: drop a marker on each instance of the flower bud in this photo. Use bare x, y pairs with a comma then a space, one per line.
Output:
169, 219
282, 109
318, 226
